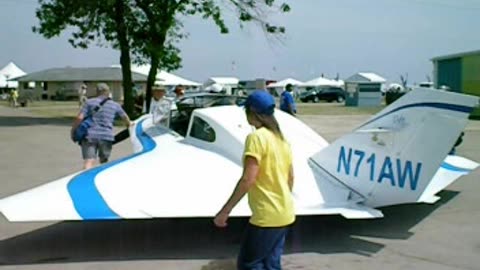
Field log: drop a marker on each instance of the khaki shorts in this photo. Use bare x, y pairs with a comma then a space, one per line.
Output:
90, 150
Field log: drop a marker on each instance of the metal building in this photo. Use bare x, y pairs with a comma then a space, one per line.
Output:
459, 72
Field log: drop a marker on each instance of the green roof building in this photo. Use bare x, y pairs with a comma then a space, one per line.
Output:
459, 72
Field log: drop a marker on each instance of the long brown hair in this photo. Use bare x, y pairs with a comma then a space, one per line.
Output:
267, 121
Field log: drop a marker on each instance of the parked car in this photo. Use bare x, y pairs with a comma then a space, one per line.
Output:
328, 94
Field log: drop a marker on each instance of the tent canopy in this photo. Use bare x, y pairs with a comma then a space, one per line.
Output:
283, 83
163, 77
222, 81
321, 81
8, 72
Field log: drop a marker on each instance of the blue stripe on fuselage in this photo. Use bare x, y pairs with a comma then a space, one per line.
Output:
87, 199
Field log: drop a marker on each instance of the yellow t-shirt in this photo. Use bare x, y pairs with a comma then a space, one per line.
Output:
270, 198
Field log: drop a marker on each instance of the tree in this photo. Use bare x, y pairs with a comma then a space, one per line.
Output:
92, 20
160, 27
148, 29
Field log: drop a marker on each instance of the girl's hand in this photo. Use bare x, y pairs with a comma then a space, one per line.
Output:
220, 220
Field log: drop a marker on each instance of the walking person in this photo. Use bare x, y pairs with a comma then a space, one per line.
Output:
287, 103
14, 98
99, 138
267, 178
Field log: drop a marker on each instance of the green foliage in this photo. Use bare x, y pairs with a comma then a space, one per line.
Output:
151, 24
147, 30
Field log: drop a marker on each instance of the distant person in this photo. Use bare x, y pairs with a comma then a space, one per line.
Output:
160, 106
179, 92
267, 178
287, 103
14, 98
100, 135
139, 103
457, 143
82, 94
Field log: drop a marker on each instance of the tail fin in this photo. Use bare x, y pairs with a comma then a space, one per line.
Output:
392, 157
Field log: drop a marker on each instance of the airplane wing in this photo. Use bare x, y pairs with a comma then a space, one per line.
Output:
137, 186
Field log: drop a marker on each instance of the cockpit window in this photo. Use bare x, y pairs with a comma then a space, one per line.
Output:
202, 130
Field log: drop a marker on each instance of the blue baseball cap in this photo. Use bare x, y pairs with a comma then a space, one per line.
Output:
261, 102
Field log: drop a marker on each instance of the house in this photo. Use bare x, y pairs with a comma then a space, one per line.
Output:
63, 83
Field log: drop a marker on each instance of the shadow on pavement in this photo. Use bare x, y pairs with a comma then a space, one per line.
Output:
17, 121
199, 239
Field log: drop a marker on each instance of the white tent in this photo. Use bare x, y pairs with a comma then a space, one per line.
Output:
321, 81
231, 81
283, 83
8, 72
164, 78
227, 83
280, 85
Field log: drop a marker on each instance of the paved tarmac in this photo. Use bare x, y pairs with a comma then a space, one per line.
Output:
35, 150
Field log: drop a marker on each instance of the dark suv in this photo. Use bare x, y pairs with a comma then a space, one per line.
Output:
328, 94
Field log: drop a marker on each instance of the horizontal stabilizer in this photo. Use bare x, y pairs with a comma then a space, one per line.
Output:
451, 169
430, 200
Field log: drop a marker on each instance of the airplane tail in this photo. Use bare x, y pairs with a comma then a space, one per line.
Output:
399, 155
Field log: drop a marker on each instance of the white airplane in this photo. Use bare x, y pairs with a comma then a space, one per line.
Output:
398, 156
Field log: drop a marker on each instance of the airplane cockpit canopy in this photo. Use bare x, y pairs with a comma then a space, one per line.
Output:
185, 106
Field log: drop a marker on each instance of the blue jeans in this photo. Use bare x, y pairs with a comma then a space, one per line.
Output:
262, 248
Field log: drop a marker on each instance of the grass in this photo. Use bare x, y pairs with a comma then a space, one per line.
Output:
69, 109
334, 109
54, 109
50, 109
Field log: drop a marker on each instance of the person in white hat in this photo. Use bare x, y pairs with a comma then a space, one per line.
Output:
159, 105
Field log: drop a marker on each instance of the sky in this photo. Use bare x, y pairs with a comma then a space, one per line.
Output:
387, 37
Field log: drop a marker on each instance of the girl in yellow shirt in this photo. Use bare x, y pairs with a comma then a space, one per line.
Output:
268, 179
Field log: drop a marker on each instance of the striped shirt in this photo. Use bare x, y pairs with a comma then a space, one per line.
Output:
102, 128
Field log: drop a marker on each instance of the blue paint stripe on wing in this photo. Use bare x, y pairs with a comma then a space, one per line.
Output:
87, 199
437, 105
450, 167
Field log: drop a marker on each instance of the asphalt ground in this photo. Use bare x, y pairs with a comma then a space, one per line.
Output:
36, 150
